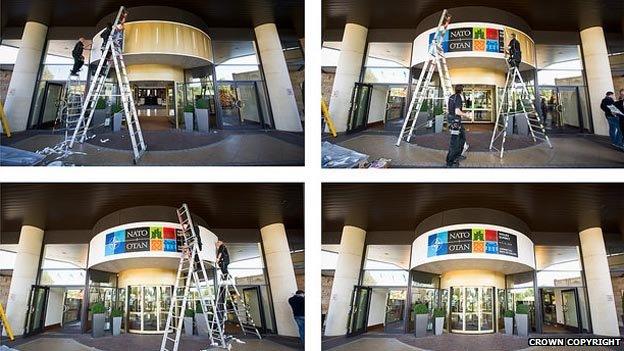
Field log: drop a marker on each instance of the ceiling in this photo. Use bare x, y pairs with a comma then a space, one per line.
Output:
79, 206
221, 14
543, 207
562, 15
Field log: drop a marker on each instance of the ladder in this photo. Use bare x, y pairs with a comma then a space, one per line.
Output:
191, 272
515, 83
229, 301
436, 60
5, 121
327, 118
4, 321
112, 47
69, 109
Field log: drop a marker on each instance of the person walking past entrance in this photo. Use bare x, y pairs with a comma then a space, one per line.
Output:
457, 145
615, 133
297, 303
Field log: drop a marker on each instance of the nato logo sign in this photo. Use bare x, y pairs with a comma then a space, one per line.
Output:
141, 239
472, 39
472, 240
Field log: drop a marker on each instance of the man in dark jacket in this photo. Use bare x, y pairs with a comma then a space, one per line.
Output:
105, 35
614, 122
515, 54
223, 258
457, 145
620, 106
297, 303
77, 55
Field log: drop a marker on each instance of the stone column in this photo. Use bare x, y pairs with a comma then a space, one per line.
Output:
281, 276
599, 287
279, 85
347, 73
24, 78
24, 276
598, 72
345, 278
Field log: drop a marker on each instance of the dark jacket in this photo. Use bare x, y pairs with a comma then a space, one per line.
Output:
297, 303
455, 101
225, 255
78, 49
514, 49
620, 105
607, 101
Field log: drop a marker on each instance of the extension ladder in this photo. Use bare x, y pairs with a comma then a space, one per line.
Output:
4, 321
327, 118
112, 47
191, 272
5, 121
515, 83
436, 60
229, 301
70, 108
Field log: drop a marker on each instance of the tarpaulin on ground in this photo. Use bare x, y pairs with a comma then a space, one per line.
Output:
10, 156
334, 156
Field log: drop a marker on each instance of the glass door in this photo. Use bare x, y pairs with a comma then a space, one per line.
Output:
395, 103
51, 103
72, 306
359, 311
569, 305
360, 104
395, 311
472, 309
253, 301
148, 307
35, 320
562, 108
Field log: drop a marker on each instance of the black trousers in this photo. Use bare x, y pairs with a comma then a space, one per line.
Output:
456, 146
78, 62
514, 61
223, 265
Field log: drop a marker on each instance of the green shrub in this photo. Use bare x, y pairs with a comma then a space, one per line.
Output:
522, 309
117, 312
101, 104
198, 308
201, 104
420, 308
189, 313
424, 107
97, 308
189, 108
439, 312
116, 108
509, 314
438, 110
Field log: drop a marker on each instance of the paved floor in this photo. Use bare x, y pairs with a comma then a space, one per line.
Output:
449, 342
226, 148
568, 151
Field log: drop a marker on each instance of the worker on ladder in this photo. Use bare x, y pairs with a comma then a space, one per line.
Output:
515, 54
79, 59
457, 145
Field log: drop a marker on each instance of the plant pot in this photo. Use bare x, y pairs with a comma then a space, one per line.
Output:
188, 326
117, 117
509, 325
99, 116
200, 322
439, 124
188, 121
99, 324
521, 124
116, 326
203, 123
420, 325
522, 324
439, 325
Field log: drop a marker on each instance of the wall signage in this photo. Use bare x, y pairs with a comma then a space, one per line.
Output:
473, 39
473, 240
142, 239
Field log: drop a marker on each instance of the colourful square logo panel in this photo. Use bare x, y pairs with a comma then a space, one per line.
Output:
478, 234
156, 233
156, 245
170, 245
169, 233
491, 235
478, 45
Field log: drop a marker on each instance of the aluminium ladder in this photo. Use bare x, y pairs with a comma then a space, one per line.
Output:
229, 301
113, 50
436, 60
514, 83
190, 269
70, 108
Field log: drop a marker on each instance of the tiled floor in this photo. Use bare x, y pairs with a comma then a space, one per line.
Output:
226, 148
568, 151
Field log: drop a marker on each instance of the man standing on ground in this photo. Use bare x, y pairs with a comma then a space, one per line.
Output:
615, 133
77, 55
297, 303
457, 146
620, 106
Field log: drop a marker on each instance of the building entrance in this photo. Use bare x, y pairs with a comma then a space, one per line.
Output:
395, 311
148, 307
563, 109
72, 306
472, 309
358, 317
239, 106
561, 312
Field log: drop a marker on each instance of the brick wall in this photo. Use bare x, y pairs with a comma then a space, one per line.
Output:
297, 78
327, 83
5, 79
326, 286
300, 281
618, 288
5, 284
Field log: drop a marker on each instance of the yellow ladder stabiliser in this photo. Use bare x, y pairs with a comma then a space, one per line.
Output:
6, 324
328, 120
5, 121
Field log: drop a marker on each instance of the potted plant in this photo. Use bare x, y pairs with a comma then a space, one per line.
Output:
201, 109
99, 113
439, 314
117, 109
421, 319
439, 118
188, 117
200, 321
188, 321
509, 317
522, 320
99, 319
116, 314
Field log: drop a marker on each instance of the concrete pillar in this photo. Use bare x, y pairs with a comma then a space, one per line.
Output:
598, 72
281, 93
24, 276
346, 276
347, 73
24, 78
281, 276
599, 288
